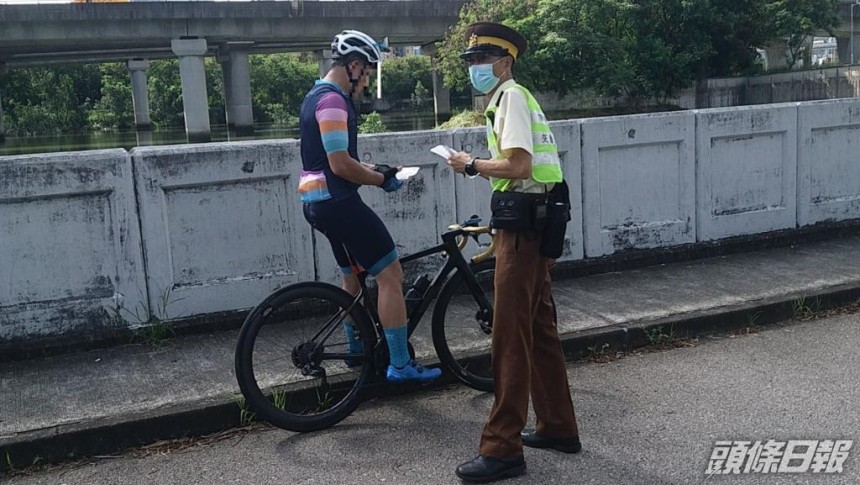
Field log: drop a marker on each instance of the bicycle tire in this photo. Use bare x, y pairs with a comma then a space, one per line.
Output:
457, 324
272, 393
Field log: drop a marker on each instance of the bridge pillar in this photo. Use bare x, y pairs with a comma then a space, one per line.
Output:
140, 93
2, 128
441, 94
194, 97
324, 58
441, 98
237, 87
843, 49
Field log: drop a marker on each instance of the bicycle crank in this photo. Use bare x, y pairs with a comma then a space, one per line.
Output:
485, 320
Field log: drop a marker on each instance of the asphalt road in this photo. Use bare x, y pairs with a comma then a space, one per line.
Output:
647, 418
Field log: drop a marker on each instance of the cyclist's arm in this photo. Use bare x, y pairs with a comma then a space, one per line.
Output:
346, 167
332, 115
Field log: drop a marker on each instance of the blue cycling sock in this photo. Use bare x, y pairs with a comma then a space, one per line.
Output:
397, 347
352, 337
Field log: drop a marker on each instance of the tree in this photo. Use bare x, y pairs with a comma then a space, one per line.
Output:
279, 83
797, 21
419, 96
49, 100
114, 110
165, 94
401, 74
639, 48
372, 123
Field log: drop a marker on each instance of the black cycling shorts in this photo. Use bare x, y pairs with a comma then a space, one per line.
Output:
357, 235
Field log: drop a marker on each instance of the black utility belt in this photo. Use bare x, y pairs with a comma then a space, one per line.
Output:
545, 214
517, 211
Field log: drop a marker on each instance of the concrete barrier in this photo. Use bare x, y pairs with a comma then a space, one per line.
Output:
568, 137
747, 170
69, 244
223, 225
827, 161
638, 182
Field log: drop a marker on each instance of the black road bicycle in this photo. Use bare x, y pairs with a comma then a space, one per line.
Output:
293, 361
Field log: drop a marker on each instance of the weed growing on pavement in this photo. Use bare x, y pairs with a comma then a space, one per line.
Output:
803, 309
752, 324
323, 401
656, 335
598, 354
246, 416
279, 399
9, 465
154, 325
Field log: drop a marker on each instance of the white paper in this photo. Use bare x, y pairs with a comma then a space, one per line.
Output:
443, 151
407, 172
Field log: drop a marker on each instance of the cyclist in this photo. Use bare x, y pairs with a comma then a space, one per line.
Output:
331, 176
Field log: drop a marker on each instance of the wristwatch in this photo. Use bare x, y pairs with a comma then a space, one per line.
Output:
470, 169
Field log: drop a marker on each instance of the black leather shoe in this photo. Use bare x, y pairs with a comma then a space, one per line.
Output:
565, 445
485, 469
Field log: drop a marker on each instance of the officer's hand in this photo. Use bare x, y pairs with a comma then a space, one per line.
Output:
458, 161
390, 182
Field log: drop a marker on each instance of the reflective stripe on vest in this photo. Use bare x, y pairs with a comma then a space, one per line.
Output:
546, 165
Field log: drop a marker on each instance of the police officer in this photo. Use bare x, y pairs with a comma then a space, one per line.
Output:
527, 354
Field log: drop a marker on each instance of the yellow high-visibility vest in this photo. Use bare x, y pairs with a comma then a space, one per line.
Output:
546, 164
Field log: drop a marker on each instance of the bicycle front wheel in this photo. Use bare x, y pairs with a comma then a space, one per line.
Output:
462, 327
294, 363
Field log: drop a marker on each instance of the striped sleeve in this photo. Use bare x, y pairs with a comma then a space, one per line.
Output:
332, 117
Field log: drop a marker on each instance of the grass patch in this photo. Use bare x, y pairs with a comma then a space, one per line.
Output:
152, 325
467, 118
246, 416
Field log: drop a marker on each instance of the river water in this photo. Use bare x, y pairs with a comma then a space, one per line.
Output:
395, 121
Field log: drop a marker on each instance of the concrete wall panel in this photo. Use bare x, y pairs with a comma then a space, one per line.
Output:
567, 136
828, 162
223, 224
638, 182
747, 166
69, 243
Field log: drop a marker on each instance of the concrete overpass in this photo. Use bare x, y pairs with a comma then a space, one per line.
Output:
136, 32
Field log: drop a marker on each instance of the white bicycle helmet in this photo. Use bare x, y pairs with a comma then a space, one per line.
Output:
353, 41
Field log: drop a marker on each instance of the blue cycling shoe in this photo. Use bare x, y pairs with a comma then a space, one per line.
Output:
413, 372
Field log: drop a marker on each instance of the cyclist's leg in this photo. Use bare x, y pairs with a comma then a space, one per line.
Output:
320, 218
369, 242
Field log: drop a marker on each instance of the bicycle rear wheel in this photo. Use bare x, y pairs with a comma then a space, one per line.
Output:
293, 361
461, 328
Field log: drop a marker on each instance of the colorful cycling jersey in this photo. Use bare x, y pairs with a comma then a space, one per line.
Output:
328, 124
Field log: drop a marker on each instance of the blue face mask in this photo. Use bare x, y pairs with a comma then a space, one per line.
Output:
482, 77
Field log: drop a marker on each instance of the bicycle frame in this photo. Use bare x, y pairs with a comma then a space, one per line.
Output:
451, 246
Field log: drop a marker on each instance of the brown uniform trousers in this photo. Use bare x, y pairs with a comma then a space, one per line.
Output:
527, 354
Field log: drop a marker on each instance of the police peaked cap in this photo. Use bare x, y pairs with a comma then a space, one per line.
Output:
495, 39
